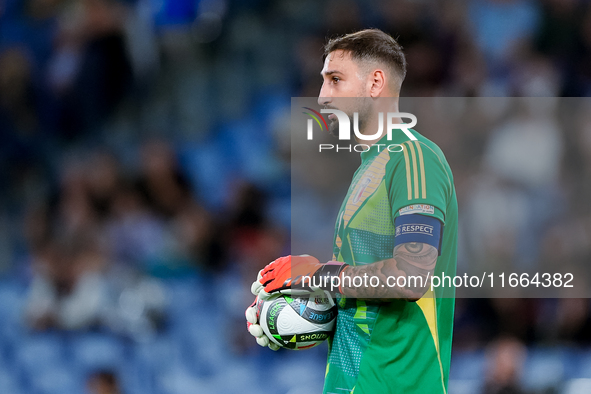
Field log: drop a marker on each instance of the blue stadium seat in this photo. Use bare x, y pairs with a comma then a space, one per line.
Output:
244, 380
201, 345
272, 368
467, 365
97, 351
186, 294
543, 369
56, 380
230, 295
464, 386
236, 376
253, 157
581, 367
12, 305
176, 379
280, 211
268, 105
209, 170
39, 352
135, 378
157, 354
577, 386
8, 383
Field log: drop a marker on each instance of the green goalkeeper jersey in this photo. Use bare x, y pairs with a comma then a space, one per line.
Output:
399, 346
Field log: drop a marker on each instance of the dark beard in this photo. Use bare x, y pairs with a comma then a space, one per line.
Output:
364, 111
333, 128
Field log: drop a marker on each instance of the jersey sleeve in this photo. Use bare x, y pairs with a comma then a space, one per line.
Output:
419, 181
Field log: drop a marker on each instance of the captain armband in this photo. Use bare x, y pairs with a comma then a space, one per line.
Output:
418, 228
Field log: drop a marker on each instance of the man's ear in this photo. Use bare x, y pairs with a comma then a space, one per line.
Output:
377, 83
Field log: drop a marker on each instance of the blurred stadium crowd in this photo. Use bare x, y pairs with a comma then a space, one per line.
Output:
144, 164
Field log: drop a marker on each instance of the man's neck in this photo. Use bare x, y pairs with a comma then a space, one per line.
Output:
372, 125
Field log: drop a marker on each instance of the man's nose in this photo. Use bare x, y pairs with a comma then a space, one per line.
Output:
324, 97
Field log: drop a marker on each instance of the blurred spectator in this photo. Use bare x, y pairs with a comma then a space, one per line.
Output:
103, 181
505, 357
68, 289
74, 287
135, 233
103, 382
519, 184
91, 245
17, 105
90, 71
162, 184
573, 322
558, 39
254, 240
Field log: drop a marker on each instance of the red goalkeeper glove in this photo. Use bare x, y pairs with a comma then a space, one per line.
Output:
297, 275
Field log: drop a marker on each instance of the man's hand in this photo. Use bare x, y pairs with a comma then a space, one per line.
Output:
296, 275
254, 328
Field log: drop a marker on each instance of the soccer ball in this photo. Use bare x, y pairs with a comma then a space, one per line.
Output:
298, 322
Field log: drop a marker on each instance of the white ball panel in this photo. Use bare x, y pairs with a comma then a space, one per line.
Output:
289, 322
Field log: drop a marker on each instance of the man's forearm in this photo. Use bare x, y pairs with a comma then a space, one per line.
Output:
413, 261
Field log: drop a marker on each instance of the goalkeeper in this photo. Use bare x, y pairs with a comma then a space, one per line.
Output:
398, 219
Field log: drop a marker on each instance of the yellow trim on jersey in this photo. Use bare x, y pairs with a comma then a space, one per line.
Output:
327, 367
423, 180
361, 312
428, 305
415, 172
364, 328
449, 182
412, 171
408, 183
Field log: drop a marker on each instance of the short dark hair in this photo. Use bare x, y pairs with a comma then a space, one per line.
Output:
371, 45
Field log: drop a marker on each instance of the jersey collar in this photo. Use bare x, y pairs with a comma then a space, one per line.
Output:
383, 143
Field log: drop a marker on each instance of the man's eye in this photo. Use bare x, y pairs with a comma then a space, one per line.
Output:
335, 79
